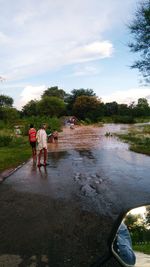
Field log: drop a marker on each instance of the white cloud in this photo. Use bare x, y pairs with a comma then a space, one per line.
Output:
85, 70
89, 52
30, 93
127, 96
4, 39
38, 36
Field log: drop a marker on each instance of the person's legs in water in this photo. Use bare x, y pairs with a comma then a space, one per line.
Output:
39, 158
45, 156
34, 153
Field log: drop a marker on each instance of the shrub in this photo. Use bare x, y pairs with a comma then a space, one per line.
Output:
52, 123
5, 140
123, 119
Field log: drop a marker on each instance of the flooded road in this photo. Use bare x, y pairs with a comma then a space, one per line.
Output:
62, 215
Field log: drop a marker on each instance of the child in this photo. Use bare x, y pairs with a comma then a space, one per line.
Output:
55, 136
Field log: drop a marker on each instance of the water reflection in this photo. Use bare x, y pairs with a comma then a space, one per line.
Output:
55, 156
43, 172
86, 153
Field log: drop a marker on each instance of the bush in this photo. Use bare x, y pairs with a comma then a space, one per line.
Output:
5, 140
2, 125
52, 123
123, 119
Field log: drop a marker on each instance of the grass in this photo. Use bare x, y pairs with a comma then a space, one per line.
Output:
17, 152
138, 138
145, 248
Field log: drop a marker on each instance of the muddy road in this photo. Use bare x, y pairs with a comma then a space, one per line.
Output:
62, 215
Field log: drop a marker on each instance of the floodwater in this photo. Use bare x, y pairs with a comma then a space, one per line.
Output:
63, 215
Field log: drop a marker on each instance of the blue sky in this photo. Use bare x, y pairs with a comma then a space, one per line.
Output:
70, 44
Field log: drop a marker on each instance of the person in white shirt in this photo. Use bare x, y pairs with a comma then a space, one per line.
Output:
42, 145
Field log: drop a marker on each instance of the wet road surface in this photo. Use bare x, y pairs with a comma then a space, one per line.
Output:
142, 259
62, 215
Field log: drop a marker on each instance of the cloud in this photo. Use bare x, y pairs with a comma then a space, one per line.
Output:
89, 52
85, 70
127, 96
37, 37
30, 93
4, 39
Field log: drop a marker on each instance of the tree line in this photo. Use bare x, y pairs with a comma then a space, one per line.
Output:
82, 103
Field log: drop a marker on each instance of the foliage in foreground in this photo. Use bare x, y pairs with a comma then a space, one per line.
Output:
15, 153
145, 248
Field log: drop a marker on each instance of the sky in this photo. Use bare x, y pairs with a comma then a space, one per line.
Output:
69, 44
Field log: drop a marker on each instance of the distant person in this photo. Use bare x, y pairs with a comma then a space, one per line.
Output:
55, 136
32, 140
42, 145
17, 131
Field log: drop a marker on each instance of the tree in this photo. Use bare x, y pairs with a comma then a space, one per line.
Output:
51, 106
142, 103
111, 108
142, 107
86, 107
140, 30
75, 93
147, 216
6, 101
9, 114
123, 109
31, 108
54, 91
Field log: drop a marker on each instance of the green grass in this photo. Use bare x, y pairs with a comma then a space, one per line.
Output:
15, 153
138, 138
145, 248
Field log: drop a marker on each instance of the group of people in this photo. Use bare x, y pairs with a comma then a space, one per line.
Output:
38, 142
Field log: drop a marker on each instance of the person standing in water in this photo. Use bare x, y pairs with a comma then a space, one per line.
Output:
32, 140
42, 145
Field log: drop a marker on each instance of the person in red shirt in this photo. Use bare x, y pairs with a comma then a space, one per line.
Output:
32, 140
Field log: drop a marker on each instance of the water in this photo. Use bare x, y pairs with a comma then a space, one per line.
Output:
66, 211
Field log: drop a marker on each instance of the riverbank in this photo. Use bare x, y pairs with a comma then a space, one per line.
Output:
138, 137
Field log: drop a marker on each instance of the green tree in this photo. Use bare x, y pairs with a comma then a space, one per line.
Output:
143, 103
6, 101
75, 93
140, 30
111, 108
9, 114
123, 109
86, 107
55, 91
142, 108
51, 106
31, 108
147, 215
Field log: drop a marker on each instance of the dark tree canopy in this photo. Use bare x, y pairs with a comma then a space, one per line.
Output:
148, 215
6, 101
55, 91
30, 109
75, 93
140, 30
51, 106
86, 107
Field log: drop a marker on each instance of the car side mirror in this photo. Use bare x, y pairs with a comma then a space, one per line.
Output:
131, 245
